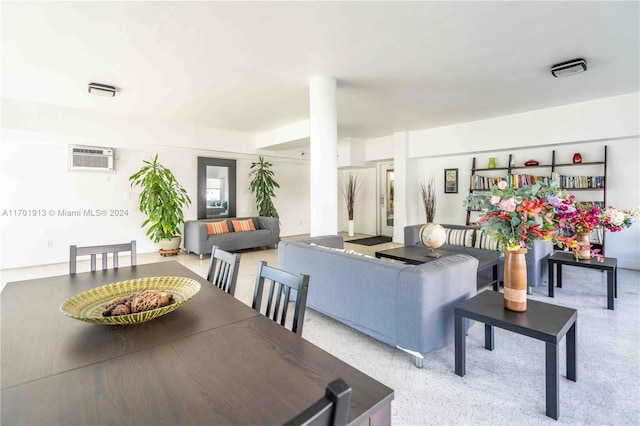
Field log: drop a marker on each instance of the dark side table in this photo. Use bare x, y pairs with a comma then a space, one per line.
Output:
541, 321
608, 264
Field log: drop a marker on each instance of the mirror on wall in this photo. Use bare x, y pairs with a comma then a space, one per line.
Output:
216, 188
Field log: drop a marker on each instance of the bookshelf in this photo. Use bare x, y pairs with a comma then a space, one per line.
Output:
591, 187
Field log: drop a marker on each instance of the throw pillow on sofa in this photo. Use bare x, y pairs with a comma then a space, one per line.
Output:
485, 241
217, 227
243, 225
459, 237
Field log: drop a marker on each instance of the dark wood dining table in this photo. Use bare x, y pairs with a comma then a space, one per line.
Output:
213, 361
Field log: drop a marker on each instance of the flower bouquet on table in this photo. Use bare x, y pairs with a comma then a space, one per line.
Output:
616, 220
575, 221
517, 217
578, 219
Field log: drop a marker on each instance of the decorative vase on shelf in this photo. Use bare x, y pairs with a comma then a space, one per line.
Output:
583, 251
515, 280
351, 233
577, 158
492, 163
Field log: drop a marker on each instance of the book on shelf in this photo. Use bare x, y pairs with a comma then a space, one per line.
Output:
484, 183
578, 182
518, 181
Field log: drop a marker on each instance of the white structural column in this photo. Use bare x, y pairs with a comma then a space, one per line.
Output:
324, 158
402, 174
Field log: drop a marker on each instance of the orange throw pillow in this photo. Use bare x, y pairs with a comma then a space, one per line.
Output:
217, 227
243, 225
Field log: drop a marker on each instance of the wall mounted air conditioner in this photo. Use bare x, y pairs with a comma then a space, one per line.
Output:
92, 158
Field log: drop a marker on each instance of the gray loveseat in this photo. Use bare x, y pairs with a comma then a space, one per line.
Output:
409, 307
536, 257
197, 239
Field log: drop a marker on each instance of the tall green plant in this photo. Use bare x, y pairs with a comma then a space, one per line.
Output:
263, 185
162, 200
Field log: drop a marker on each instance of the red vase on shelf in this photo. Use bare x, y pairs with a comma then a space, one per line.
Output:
577, 158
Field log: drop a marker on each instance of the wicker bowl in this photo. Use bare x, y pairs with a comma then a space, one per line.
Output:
89, 305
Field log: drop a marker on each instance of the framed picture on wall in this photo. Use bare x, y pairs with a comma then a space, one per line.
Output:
450, 181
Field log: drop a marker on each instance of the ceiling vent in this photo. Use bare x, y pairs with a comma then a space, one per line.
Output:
91, 158
567, 68
102, 90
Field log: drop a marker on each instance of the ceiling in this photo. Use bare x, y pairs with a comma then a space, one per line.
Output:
246, 66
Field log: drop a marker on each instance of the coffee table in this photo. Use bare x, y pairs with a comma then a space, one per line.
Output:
608, 264
415, 255
541, 321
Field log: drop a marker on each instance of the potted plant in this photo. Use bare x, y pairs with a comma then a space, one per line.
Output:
349, 190
262, 185
161, 200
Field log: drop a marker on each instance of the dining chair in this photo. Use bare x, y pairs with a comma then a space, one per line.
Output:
104, 250
330, 410
223, 270
279, 295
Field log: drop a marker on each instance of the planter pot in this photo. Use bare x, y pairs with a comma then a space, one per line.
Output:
351, 233
583, 251
172, 244
515, 280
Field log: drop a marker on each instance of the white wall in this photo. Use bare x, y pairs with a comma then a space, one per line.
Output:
600, 119
34, 138
364, 209
623, 184
34, 177
585, 127
62, 124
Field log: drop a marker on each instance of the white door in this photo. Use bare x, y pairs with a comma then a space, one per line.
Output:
385, 185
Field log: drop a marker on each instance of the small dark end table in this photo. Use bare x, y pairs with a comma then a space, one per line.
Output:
542, 321
415, 255
608, 264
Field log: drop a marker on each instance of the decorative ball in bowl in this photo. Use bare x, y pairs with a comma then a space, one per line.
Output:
92, 305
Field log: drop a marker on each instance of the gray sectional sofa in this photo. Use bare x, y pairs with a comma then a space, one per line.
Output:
197, 240
409, 307
536, 257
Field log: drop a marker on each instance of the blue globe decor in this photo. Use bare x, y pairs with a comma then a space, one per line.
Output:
432, 236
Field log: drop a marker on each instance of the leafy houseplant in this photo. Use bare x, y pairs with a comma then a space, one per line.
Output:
162, 200
263, 185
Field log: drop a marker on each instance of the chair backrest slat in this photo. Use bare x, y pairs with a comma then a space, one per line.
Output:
104, 250
330, 410
223, 270
281, 283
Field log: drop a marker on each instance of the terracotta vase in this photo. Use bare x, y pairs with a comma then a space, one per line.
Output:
515, 280
583, 251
